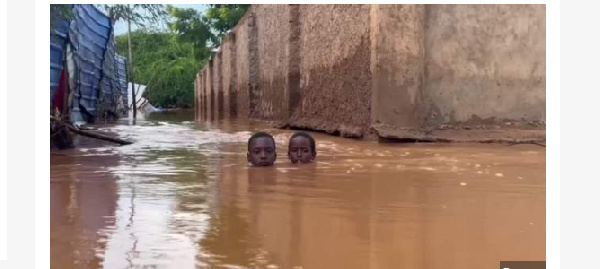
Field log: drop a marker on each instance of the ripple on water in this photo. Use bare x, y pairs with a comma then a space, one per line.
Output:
184, 197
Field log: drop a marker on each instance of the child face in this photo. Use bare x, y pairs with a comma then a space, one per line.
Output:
300, 151
262, 152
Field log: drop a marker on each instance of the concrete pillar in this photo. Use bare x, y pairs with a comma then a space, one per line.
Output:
218, 67
196, 98
200, 94
254, 67
295, 95
233, 76
397, 65
203, 93
210, 92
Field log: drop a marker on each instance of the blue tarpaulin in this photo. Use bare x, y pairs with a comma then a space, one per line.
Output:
89, 34
58, 42
121, 78
98, 73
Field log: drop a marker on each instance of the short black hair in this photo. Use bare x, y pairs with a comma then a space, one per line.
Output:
261, 134
306, 135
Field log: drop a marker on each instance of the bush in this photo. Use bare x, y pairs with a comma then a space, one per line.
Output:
167, 67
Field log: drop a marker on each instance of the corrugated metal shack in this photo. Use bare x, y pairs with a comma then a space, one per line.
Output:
87, 77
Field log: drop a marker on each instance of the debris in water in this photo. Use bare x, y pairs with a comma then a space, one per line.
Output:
499, 175
463, 183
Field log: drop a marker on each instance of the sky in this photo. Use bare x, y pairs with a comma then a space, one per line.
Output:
121, 26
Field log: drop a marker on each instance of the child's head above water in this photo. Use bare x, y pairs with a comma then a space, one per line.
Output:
302, 148
261, 149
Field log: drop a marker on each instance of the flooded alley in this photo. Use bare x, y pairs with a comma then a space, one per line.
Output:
183, 196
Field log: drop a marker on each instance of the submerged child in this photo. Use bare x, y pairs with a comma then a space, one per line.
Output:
302, 148
261, 149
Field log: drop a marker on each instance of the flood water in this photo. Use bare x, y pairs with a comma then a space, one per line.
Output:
183, 196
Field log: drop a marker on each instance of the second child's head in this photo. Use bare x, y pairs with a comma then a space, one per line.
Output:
302, 148
261, 149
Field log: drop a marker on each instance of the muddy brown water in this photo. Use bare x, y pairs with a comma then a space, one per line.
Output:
183, 196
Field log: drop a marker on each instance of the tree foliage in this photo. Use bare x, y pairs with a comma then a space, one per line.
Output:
190, 27
167, 61
222, 18
166, 66
206, 31
138, 14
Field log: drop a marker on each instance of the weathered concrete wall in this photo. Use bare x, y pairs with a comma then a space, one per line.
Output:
210, 96
335, 76
198, 97
273, 58
226, 77
203, 95
230, 75
242, 65
398, 71
218, 86
397, 65
485, 64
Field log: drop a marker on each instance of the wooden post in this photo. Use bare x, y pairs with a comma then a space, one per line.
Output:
131, 73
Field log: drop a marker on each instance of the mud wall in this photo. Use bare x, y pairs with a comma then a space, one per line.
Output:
485, 64
242, 66
227, 80
203, 96
210, 98
399, 71
397, 60
230, 76
335, 77
225, 56
273, 59
217, 85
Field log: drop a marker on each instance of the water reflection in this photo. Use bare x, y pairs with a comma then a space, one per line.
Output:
183, 196
82, 206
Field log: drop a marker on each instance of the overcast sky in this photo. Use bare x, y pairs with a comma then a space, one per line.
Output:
121, 26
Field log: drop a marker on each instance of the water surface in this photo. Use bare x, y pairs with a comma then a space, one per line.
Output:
183, 196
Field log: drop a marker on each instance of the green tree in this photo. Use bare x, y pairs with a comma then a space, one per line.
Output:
165, 65
138, 14
191, 27
222, 18
167, 61
205, 31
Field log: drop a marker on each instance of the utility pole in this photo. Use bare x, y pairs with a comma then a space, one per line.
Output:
133, 101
